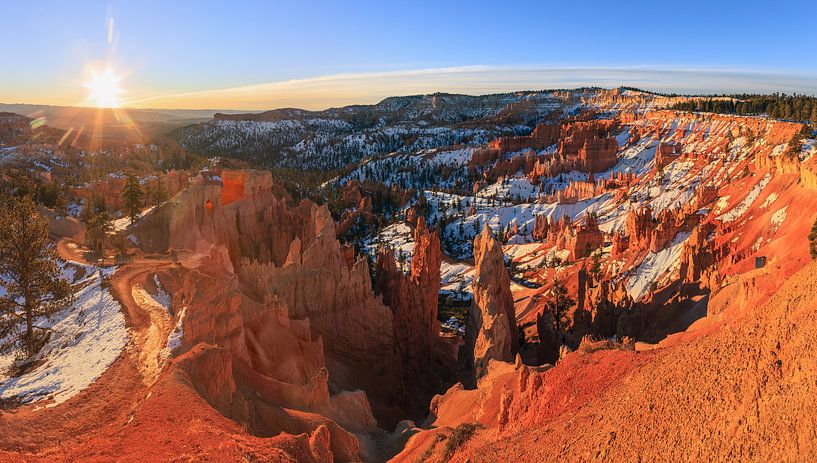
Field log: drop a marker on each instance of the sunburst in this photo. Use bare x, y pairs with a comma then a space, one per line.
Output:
103, 88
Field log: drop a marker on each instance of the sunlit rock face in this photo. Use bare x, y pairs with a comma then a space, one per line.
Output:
426, 360
492, 332
286, 258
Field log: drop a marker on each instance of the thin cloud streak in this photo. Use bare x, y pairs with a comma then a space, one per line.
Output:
366, 88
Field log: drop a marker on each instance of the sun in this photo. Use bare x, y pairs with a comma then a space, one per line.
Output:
103, 88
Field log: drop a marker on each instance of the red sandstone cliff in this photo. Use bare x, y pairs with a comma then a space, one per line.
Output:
288, 257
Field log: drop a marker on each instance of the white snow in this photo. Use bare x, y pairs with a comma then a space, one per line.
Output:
654, 266
161, 296
637, 159
89, 336
456, 277
769, 200
723, 203
174, 340
124, 222
398, 237
744, 205
510, 189
778, 218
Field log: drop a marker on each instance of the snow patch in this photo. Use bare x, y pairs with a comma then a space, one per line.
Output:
769, 200
655, 265
778, 218
162, 297
88, 337
722, 204
744, 205
174, 340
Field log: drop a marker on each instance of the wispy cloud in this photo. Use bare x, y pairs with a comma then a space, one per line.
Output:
362, 88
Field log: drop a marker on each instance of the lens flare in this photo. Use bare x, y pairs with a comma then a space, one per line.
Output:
103, 88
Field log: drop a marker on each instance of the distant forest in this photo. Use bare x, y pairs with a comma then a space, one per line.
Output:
778, 105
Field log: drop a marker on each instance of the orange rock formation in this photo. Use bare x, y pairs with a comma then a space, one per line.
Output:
492, 328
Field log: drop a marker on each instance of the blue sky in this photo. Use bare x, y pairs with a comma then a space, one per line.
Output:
175, 48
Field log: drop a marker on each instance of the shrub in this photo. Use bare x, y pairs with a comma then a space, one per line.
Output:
459, 437
812, 241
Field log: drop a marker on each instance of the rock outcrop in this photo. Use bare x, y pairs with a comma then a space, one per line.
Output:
581, 239
295, 289
426, 360
492, 330
541, 137
584, 405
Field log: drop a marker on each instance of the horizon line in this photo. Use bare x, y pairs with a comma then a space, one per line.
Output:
340, 90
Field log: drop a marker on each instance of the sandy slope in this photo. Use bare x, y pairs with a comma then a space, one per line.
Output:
742, 391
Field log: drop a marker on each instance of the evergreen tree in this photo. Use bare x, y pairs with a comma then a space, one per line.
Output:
794, 107
522, 339
132, 197
97, 227
49, 194
558, 307
98, 223
97, 203
29, 275
812, 241
595, 266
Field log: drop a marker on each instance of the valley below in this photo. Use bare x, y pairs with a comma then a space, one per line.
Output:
574, 275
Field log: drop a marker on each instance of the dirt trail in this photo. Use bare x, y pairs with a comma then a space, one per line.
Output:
114, 397
69, 250
148, 321
150, 324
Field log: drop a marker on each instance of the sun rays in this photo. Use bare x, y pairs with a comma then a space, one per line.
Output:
104, 89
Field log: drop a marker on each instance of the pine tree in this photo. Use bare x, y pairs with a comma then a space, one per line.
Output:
812, 241
522, 339
132, 197
29, 275
558, 306
595, 266
97, 227
97, 203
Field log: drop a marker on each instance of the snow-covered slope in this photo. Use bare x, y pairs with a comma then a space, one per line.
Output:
88, 336
338, 137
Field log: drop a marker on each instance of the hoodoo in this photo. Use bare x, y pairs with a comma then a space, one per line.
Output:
492, 327
426, 360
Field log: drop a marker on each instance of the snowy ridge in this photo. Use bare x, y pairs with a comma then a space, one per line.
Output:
738, 211
338, 137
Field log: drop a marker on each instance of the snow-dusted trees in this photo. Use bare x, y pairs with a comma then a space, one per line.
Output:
31, 283
97, 224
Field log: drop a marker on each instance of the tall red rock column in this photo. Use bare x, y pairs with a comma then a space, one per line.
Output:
413, 300
426, 361
425, 274
492, 317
